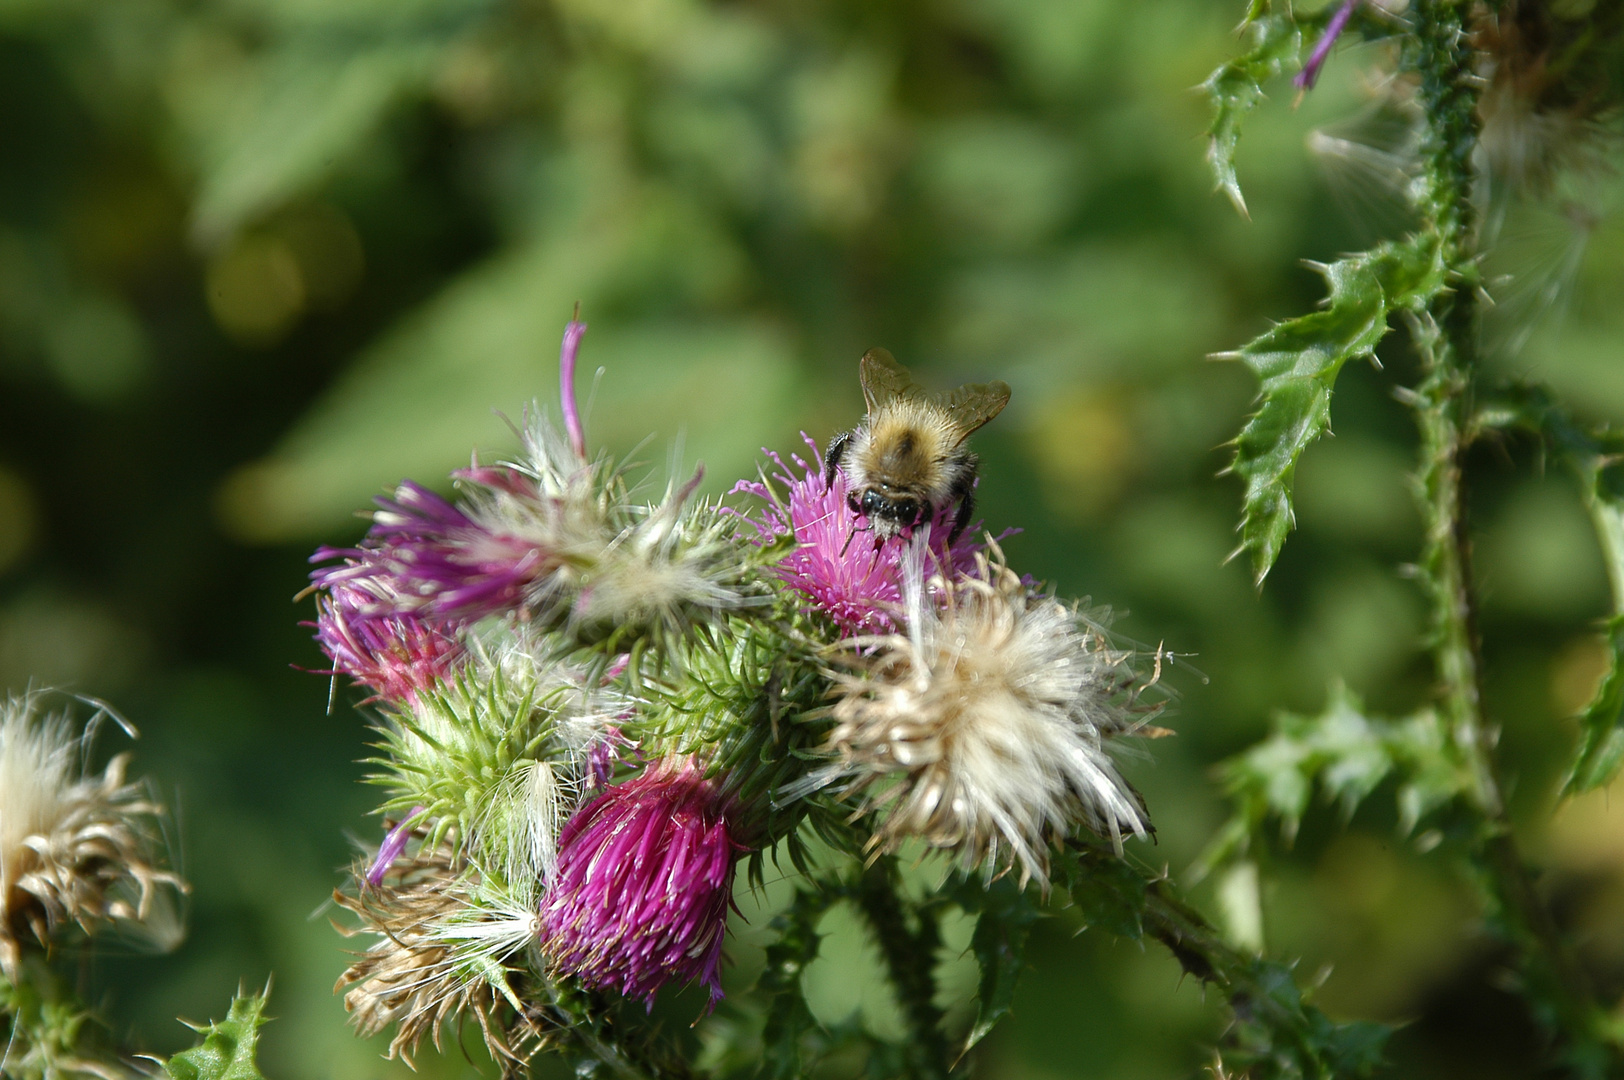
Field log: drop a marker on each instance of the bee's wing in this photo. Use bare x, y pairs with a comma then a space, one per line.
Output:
974, 404
885, 380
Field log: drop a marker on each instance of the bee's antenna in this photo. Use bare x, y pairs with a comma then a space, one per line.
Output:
849, 538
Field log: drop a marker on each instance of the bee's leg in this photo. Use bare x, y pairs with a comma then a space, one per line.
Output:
833, 455
964, 491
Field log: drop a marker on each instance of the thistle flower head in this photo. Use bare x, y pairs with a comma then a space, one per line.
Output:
75, 847
398, 654
836, 563
1553, 92
590, 705
494, 760
982, 729
645, 877
551, 539
441, 956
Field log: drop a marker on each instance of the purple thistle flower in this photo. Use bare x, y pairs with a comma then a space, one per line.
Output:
396, 653
426, 559
644, 882
450, 565
837, 564
1309, 75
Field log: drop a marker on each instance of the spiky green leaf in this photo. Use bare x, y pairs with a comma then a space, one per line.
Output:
1298, 361
1109, 892
1003, 925
1236, 88
1277, 1035
1596, 459
227, 1049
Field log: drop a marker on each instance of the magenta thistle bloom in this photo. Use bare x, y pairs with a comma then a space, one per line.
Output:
427, 559
450, 565
644, 882
837, 563
395, 653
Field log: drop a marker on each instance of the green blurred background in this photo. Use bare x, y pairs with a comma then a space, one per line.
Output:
260, 259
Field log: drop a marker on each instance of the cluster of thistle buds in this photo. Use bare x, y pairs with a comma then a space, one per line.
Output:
592, 706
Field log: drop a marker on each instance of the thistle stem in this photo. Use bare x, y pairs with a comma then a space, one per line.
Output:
910, 959
1446, 337
582, 1030
1203, 952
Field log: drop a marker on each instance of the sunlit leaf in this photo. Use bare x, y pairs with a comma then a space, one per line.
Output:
1298, 362
309, 112
227, 1049
1345, 755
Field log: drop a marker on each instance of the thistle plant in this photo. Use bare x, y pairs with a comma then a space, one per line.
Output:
593, 707
1505, 99
596, 698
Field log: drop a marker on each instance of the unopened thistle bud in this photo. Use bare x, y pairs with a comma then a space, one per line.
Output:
75, 847
837, 564
644, 882
983, 728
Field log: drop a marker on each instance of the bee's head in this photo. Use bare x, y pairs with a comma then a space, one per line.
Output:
891, 514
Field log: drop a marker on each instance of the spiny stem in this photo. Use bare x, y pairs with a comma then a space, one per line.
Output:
1446, 337
582, 1030
910, 958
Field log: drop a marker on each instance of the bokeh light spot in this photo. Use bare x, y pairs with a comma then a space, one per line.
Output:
256, 290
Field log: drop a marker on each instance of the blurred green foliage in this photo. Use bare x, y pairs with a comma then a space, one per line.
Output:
261, 258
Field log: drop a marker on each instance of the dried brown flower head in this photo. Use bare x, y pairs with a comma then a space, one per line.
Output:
422, 976
75, 848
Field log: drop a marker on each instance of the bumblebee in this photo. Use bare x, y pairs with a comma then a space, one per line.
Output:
907, 459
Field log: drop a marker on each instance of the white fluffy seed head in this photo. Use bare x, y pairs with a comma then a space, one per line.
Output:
983, 728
